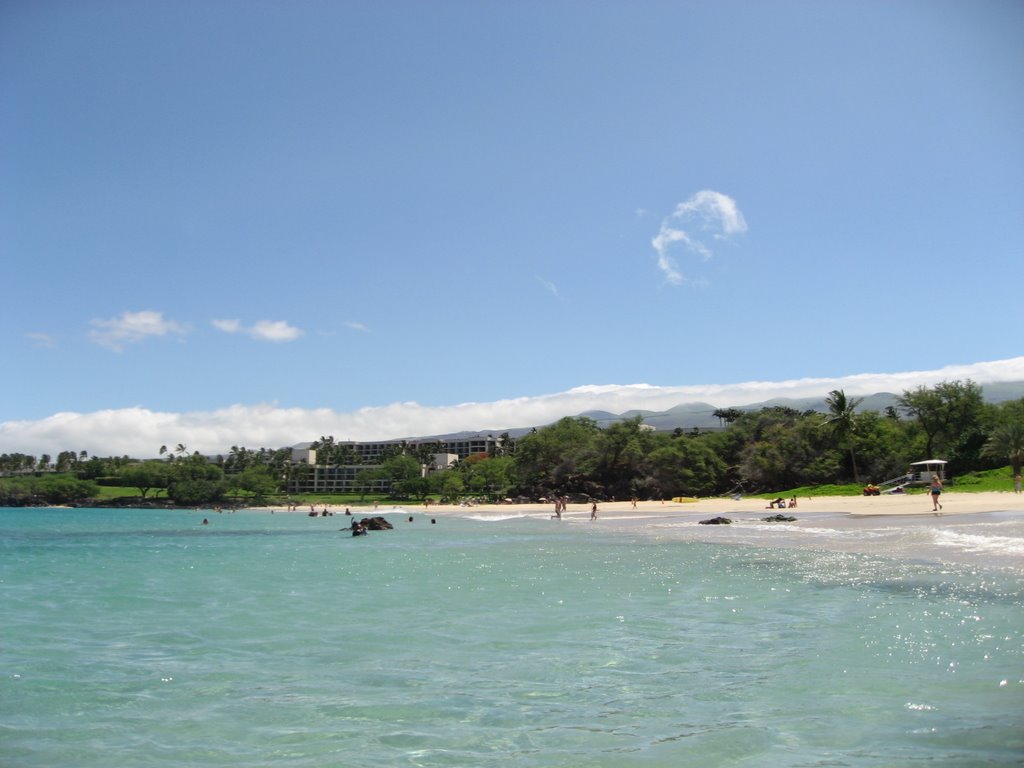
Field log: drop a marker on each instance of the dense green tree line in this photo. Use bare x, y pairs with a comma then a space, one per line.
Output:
772, 449
47, 489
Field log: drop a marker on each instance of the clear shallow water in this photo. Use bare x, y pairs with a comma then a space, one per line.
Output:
143, 638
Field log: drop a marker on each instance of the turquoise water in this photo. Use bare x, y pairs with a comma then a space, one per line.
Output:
143, 638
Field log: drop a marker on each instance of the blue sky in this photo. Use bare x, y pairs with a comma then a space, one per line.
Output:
291, 214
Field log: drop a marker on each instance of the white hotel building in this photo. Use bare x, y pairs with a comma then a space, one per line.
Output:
322, 478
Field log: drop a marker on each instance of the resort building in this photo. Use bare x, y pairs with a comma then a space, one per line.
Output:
358, 478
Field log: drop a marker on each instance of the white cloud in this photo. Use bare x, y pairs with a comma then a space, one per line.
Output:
355, 326
228, 326
711, 214
262, 330
140, 432
549, 287
132, 327
717, 212
274, 330
666, 263
40, 339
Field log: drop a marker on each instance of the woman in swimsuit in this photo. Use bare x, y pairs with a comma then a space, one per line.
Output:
936, 490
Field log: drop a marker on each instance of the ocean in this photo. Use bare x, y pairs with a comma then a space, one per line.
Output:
144, 638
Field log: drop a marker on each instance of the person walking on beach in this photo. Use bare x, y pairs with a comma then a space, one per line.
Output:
1016, 483
936, 489
593, 511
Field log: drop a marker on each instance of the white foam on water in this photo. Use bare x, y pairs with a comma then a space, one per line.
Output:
482, 518
812, 531
973, 542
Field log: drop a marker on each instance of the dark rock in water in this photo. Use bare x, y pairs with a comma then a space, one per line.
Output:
361, 527
716, 521
778, 519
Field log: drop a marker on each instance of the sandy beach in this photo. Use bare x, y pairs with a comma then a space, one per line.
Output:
897, 506
891, 505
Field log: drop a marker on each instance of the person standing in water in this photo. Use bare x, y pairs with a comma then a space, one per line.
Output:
936, 489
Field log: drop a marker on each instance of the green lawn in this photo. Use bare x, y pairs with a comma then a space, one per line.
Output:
1000, 479
990, 480
117, 492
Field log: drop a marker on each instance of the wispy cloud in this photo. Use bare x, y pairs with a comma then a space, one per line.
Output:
133, 327
706, 215
262, 330
355, 326
228, 326
549, 287
40, 339
140, 431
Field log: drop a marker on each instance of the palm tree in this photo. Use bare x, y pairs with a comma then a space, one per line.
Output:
1007, 440
843, 422
727, 415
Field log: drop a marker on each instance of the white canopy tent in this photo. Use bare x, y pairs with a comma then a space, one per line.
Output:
922, 471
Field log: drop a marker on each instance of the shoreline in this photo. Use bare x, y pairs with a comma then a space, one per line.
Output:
890, 506
982, 530
979, 530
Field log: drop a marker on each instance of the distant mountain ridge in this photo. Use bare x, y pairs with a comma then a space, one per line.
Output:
700, 415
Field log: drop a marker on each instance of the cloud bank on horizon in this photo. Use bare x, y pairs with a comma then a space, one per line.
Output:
139, 432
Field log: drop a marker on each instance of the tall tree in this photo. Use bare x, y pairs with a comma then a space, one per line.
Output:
144, 476
404, 476
727, 415
1007, 441
257, 480
843, 422
558, 457
66, 461
194, 480
622, 450
945, 412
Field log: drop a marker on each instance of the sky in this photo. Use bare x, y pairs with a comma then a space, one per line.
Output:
259, 222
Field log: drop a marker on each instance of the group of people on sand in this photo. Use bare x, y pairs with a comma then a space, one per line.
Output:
561, 505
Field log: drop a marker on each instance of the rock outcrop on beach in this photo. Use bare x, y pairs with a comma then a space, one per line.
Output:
779, 519
716, 521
